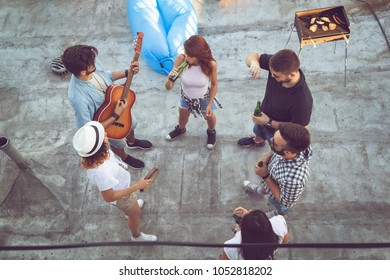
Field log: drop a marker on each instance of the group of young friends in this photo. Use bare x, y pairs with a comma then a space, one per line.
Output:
285, 114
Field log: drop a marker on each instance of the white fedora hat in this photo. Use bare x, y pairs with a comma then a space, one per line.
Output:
89, 138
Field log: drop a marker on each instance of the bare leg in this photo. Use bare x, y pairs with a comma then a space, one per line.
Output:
184, 114
211, 121
134, 220
119, 152
258, 139
130, 137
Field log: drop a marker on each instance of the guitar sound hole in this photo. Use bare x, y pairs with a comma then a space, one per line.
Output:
118, 124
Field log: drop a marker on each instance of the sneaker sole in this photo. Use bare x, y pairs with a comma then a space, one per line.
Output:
248, 189
252, 145
168, 138
138, 147
245, 146
136, 168
154, 240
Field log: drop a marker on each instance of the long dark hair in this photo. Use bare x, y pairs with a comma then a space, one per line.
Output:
256, 228
196, 46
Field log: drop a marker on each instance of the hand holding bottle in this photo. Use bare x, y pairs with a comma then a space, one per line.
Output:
173, 76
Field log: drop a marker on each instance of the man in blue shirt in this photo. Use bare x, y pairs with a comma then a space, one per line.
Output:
86, 92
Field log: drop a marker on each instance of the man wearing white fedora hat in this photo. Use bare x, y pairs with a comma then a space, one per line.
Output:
106, 172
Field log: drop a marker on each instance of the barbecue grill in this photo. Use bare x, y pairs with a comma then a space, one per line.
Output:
322, 25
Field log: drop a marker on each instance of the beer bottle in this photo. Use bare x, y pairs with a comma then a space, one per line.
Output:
180, 70
257, 112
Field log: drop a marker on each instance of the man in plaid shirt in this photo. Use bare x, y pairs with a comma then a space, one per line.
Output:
285, 170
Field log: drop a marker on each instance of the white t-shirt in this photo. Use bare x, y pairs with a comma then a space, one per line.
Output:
279, 226
110, 175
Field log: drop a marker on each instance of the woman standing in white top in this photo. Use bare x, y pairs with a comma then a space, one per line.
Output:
199, 87
255, 227
112, 179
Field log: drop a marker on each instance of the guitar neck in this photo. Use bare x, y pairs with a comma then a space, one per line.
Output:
129, 77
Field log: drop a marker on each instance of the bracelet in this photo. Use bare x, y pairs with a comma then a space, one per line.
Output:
127, 72
115, 116
265, 177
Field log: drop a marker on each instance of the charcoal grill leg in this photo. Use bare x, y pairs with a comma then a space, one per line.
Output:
345, 64
289, 37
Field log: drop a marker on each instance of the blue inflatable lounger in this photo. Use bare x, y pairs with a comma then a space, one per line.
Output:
166, 25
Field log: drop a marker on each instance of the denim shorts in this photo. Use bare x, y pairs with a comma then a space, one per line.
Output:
121, 143
203, 104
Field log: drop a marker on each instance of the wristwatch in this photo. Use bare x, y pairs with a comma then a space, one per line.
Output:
269, 123
265, 177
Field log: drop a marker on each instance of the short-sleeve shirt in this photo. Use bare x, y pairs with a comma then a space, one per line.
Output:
286, 104
84, 97
110, 175
279, 227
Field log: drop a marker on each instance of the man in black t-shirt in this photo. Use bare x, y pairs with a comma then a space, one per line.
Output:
287, 96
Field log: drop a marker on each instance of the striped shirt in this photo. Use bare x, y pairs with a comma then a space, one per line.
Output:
291, 176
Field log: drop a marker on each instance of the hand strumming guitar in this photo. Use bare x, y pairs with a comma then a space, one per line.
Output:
121, 106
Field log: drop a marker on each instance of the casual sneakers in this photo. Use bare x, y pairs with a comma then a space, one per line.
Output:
211, 138
250, 141
134, 163
139, 144
174, 133
144, 237
252, 188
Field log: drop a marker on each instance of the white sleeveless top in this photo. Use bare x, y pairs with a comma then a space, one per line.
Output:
194, 82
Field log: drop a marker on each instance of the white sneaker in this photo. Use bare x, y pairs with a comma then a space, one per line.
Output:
140, 202
252, 188
144, 237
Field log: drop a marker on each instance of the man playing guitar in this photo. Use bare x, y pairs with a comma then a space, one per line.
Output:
86, 92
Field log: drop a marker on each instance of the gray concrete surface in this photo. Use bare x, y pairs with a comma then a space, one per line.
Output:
346, 200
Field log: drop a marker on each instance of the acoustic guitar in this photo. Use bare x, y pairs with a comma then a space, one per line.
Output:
121, 127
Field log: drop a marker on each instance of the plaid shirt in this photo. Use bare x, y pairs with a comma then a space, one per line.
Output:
291, 176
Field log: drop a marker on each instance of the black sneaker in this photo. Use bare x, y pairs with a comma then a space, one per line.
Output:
134, 163
211, 138
250, 141
139, 144
174, 133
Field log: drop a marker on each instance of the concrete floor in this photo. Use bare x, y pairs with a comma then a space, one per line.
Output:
347, 198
